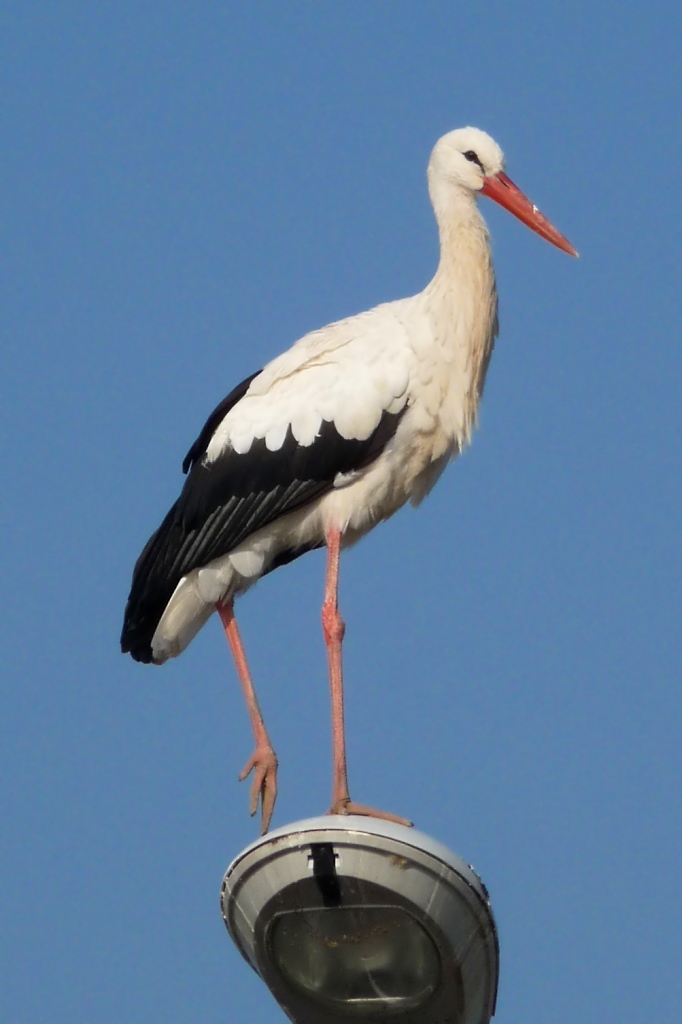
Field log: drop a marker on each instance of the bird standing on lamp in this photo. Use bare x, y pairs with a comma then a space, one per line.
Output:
330, 438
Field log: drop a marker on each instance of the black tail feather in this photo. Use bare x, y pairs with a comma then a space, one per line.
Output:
151, 588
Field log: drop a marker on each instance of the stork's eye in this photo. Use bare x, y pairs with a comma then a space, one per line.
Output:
473, 158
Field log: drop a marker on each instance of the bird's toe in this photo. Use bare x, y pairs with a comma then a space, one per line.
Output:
347, 806
263, 763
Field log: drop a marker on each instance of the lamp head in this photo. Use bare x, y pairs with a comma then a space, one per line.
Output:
352, 918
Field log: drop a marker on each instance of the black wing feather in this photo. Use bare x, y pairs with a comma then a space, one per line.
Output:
207, 431
225, 501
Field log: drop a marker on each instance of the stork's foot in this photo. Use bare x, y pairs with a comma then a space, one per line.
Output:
263, 762
344, 805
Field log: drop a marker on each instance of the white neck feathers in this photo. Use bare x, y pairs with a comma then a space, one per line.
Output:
462, 301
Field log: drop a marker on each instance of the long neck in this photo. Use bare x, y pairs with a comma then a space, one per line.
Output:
462, 301
465, 259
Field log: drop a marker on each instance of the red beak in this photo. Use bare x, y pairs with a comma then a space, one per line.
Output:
503, 190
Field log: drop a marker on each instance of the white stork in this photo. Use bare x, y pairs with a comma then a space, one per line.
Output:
326, 441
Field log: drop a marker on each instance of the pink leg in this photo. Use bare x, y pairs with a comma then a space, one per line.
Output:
334, 629
263, 761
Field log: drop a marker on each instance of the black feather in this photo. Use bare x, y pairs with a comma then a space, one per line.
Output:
214, 420
226, 500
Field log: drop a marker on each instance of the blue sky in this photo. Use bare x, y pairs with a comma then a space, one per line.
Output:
189, 188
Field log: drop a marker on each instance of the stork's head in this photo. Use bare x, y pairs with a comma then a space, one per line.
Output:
468, 160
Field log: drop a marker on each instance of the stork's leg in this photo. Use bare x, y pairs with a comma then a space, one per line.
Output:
263, 761
334, 629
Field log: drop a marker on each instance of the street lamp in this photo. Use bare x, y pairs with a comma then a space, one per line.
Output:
349, 918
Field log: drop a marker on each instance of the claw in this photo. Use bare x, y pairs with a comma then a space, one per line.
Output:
263, 762
346, 806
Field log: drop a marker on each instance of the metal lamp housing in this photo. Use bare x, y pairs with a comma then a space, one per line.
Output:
353, 918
